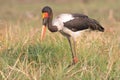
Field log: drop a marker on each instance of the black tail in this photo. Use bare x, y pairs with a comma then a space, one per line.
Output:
96, 26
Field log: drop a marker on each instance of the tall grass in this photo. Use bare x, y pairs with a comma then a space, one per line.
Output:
24, 57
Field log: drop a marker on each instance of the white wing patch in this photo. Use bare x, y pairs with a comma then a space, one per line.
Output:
59, 20
65, 17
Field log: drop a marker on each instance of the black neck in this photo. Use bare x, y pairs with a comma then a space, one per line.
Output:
50, 26
50, 20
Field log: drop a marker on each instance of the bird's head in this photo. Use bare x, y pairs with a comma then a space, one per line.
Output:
46, 14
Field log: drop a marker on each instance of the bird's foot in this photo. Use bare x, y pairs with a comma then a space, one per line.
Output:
75, 60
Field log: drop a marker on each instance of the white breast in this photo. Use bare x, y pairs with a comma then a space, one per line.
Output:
59, 20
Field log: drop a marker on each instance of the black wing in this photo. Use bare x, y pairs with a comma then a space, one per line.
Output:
82, 22
76, 15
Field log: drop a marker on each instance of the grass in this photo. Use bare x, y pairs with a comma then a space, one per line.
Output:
24, 57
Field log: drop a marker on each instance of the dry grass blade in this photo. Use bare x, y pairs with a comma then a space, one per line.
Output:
3, 76
109, 69
78, 71
72, 67
23, 72
7, 77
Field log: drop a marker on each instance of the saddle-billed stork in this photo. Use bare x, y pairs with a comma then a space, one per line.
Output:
70, 25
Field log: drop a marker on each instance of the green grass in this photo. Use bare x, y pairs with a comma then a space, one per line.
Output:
24, 57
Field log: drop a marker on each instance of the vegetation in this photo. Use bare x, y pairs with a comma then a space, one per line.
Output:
24, 57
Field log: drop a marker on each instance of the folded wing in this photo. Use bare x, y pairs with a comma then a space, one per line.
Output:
82, 22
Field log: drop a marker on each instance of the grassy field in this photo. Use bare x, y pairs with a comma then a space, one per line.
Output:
24, 57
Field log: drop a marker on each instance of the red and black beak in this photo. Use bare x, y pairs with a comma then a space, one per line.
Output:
44, 23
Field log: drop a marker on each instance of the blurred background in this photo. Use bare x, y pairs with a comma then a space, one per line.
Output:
21, 12
23, 9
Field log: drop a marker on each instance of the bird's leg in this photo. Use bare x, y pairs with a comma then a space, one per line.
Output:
75, 59
73, 50
70, 43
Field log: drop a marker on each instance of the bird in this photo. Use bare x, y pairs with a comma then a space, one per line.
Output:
70, 25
